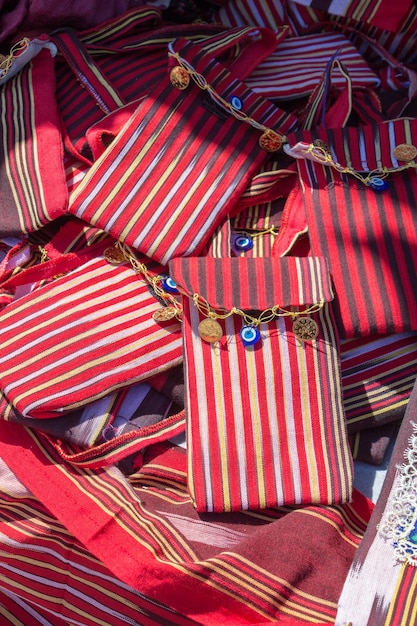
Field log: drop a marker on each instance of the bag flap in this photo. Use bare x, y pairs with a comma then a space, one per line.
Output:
381, 146
253, 283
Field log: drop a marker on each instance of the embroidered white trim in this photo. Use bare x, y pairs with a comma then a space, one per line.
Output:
399, 523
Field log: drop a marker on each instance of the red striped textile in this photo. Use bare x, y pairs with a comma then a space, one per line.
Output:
90, 332
182, 567
49, 578
381, 587
31, 192
368, 238
150, 178
106, 57
378, 375
299, 63
400, 42
381, 13
268, 13
265, 425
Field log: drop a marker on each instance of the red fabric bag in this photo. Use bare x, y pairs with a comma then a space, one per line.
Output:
361, 214
90, 332
151, 177
32, 193
265, 420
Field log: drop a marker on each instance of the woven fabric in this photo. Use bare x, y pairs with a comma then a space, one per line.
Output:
378, 375
269, 13
136, 45
299, 63
368, 237
265, 423
151, 177
89, 332
145, 532
381, 13
31, 193
381, 588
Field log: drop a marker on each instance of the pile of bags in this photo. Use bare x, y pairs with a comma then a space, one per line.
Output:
208, 312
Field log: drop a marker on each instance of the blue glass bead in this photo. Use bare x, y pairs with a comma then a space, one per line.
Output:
236, 102
243, 243
413, 535
250, 335
169, 285
378, 184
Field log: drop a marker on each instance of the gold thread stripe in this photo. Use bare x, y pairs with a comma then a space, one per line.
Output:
81, 481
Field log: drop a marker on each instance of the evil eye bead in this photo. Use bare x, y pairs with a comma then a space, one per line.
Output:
243, 243
250, 335
378, 184
169, 285
236, 103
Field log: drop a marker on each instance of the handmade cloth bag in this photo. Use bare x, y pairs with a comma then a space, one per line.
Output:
185, 132
32, 193
265, 422
360, 210
90, 332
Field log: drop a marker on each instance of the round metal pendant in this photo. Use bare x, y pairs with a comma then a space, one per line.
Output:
405, 152
179, 77
165, 314
270, 141
210, 330
114, 255
305, 329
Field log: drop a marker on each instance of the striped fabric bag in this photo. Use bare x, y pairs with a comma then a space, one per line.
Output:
32, 193
264, 412
89, 332
361, 213
151, 176
299, 63
381, 13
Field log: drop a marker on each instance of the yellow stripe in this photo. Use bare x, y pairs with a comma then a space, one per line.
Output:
59, 602
409, 615
107, 86
12, 619
68, 574
221, 417
363, 6
127, 173
307, 416
66, 317
105, 33
397, 592
254, 412
330, 522
267, 592
130, 509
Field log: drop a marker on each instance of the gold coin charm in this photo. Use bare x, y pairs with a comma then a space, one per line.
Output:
210, 330
270, 141
305, 329
179, 78
114, 255
165, 314
405, 152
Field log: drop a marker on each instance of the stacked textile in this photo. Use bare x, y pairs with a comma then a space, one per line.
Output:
208, 312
